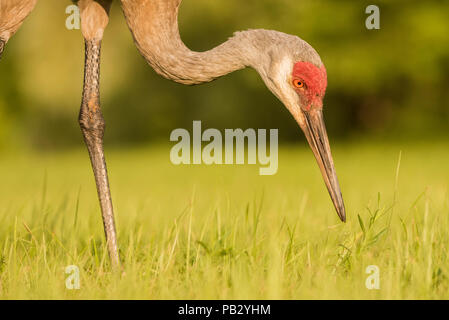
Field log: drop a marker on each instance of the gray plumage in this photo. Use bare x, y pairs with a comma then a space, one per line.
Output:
154, 25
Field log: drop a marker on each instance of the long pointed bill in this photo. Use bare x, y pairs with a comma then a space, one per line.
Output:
316, 135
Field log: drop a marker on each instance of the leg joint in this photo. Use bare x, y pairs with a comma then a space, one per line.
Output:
91, 120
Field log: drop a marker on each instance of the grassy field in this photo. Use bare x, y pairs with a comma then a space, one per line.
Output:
224, 232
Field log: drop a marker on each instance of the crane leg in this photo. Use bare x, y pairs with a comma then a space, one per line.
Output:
2, 46
92, 126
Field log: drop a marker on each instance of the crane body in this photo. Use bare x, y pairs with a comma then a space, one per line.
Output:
12, 15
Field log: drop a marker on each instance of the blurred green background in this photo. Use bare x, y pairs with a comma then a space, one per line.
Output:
387, 85
390, 83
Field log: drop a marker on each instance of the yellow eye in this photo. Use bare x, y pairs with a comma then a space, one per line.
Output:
298, 83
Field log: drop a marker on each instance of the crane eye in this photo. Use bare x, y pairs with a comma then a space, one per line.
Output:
298, 83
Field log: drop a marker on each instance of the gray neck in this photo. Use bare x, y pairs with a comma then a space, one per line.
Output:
154, 25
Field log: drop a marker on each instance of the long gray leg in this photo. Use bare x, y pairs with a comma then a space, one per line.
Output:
2, 46
92, 125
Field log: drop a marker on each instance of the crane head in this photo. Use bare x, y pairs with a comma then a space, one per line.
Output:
300, 82
309, 82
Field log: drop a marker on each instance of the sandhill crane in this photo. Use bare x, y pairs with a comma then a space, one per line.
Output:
290, 68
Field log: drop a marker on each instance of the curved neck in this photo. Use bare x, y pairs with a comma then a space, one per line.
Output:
154, 25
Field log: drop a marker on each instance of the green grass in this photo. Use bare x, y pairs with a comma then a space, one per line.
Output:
224, 232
